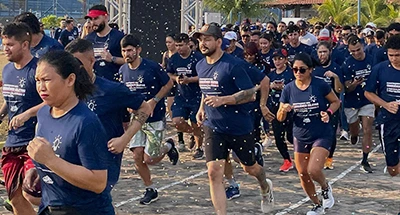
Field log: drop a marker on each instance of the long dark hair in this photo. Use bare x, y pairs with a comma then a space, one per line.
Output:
66, 64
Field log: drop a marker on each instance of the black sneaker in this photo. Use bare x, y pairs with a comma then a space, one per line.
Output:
366, 167
7, 205
150, 196
199, 154
354, 139
259, 156
192, 142
173, 153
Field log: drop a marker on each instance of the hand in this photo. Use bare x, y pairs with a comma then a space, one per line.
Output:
152, 105
117, 145
183, 79
330, 74
32, 181
268, 115
106, 55
200, 117
392, 107
213, 101
40, 150
286, 108
324, 116
358, 81
18, 120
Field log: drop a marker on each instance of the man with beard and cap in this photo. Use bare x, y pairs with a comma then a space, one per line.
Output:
106, 43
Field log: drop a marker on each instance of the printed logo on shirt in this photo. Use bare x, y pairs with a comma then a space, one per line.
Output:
11, 90
215, 76
208, 84
136, 85
363, 73
47, 180
184, 71
57, 142
91, 105
325, 78
393, 89
304, 108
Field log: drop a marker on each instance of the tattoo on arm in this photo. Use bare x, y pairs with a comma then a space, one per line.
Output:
141, 117
244, 95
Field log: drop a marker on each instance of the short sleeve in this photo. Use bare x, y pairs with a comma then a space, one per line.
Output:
373, 81
255, 75
164, 78
125, 98
324, 88
347, 72
92, 146
285, 96
170, 68
241, 78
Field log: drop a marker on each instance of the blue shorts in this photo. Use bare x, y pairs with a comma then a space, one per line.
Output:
185, 109
305, 147
390, 141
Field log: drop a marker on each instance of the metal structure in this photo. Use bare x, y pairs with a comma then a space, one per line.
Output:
191, 14
120, 13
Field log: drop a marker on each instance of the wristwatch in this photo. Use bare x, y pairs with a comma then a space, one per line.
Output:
155, 98
113, 59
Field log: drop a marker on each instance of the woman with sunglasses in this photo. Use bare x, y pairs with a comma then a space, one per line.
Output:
312, 103
70, 147
280, 77
332, 74
87, 29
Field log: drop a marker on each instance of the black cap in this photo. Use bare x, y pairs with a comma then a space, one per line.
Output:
211, 29
280, 53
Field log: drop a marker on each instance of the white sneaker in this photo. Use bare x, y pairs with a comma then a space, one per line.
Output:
316, 210
344, 135
267, 200
267, 143
182, 147
328, 200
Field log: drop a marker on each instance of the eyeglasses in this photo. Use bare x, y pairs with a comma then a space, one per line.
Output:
301, 70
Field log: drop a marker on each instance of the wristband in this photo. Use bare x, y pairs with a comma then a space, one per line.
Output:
155, 98
329, 111
113, 59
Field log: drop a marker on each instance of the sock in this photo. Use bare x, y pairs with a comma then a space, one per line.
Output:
180, 137
365, 157
232, 182
151, 186
168, 145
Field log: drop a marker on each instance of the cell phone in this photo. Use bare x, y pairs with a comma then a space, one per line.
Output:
181, 76
358, 78
278, 81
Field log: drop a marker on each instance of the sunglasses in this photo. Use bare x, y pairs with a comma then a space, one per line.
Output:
301, 70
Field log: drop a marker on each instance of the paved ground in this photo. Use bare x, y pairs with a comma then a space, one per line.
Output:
183, 188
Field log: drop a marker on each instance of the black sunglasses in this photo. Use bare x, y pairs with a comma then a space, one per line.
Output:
301, 70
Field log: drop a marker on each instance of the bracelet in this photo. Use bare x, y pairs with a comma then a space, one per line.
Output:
113, 59
156, 99
330, 112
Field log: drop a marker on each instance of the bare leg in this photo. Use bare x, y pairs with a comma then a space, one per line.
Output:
318, 156
141, 167
217, 188
302, 160
20, 205
367, 133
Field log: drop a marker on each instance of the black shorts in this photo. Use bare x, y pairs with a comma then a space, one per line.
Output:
390, 142
217, 146
171, 93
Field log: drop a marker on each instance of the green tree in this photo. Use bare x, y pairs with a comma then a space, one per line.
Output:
51, 21
236, 9
340, 10
379, 12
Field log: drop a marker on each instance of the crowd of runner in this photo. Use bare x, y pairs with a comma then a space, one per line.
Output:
75, 104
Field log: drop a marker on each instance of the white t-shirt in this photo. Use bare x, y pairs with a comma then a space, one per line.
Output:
308, 39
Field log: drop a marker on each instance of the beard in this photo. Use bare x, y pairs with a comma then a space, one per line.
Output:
130, 59
208, 52
100, 27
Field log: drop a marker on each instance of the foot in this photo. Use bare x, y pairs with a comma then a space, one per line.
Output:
286, 166
366, 167
199, 154
232, 192
316, 210
267, 142
354, 140
192, 142
328, 163
344, 135
259, 156
182, 147
267, 199
150, 196
7, 205
173, 153
328, 200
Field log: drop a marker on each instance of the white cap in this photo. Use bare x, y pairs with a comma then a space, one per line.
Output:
324, 33
370, 24
230, 35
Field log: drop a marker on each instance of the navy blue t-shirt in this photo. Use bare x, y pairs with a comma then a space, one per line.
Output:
75, 32
285, 77
307, 105
109, 101
343, 50
111, 42
380, 56
78, 138
20, 94
267, 58
353, 68
337, 56
299, 49
147, 80
57, 33
45, 45
66, 37
385, 81
187, 67
226, 77
238, 52
319, 72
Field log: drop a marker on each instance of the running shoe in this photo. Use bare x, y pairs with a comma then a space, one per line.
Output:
267, 199
232, 192
286, 166
150, 196
328, 163
316, 210
344, 135
199, 154
366, 167
173, 153
259, 156
328, 200
354, 140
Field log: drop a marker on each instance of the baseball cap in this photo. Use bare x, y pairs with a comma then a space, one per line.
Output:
370, 25
302, 24
230, 35
368, 32
225, 44
280, 53
211, 29
96, 11
324, 34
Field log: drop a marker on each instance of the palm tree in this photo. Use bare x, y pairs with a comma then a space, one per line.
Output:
340, 10
234, 9
379, 12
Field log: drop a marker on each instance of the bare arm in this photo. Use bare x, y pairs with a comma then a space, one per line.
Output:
3, 110
338, 85
284, 108
20, 119
334, 101
372, 97
161, 94
264, 91
351, 85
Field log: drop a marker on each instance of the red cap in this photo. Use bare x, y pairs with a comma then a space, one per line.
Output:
95, 13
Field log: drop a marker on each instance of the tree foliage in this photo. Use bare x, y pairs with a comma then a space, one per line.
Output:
234, 9
51, 21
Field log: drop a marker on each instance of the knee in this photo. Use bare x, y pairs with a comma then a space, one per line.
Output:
138, 155
252, 170
215, 174
312, 172
367, 130
33, 200
177, 122
393, 171
304, 175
